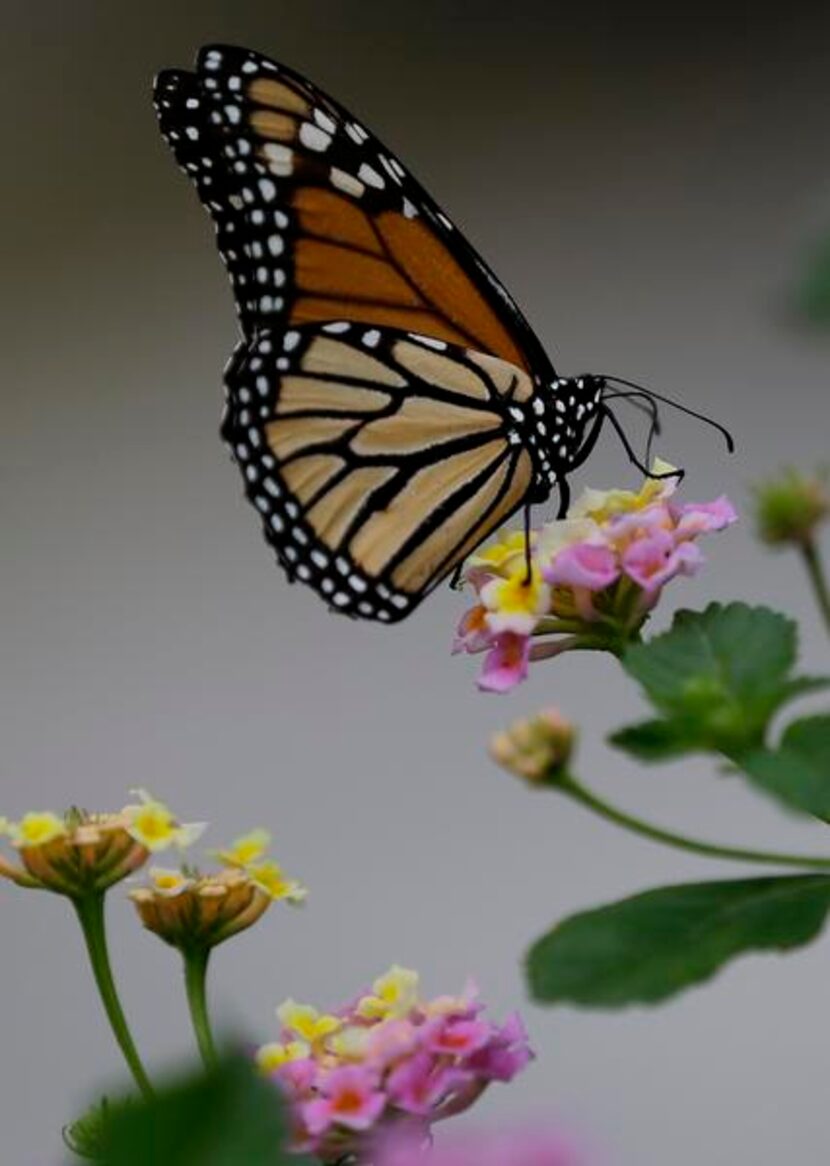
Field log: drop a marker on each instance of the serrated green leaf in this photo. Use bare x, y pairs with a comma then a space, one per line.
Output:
225, 1118
797, 773
652, 740
649, 947
718, 676
86, 1136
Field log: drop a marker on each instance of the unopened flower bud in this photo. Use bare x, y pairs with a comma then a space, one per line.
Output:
537, 748
789, 508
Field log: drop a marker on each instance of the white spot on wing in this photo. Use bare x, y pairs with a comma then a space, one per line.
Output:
370, 176
313, 137
346, 182
324, 121
280, 158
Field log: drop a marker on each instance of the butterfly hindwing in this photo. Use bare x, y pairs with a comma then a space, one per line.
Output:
377, 459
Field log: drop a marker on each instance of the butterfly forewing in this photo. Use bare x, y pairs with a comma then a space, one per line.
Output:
376, 460
334, 225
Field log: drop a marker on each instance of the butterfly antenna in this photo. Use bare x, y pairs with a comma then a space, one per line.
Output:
632, 457
727, 436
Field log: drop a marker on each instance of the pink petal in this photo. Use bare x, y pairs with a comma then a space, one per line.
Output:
317, 1115
694, 518
652, 562
472, 634
640, 523
458, 1038
506, 664
584, 565
421, 1084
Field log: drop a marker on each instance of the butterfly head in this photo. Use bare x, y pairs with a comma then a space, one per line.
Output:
568, 415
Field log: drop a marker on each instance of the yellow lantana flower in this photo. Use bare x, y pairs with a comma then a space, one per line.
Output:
395, 995
153, 825
604, 504
306, 1022
515, 603
500, 556
168, 882
273, 1056
349, 1044
37, 829
269, 876
247, 849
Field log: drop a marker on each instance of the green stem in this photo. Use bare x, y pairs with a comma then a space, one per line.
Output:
815, 569
90, 912
598, 805
195, 979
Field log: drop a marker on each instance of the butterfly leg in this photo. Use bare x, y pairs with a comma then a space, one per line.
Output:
456, 577
564, 498
528, 566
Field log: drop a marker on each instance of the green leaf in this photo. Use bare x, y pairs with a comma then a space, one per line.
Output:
797, 773
656, 740
813, 294
647, 948
86, 1136
718, 676
228, 1117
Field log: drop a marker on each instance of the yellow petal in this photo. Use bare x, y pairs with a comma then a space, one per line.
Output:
36, 829
350, 1043
247, 849
308, 1024
269, 876
273, 1056
168, 882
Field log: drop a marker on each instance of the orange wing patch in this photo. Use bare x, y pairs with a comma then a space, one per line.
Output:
443, 283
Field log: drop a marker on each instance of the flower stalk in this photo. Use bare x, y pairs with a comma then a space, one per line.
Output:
196, 962
815, 570
90, 912
573, 788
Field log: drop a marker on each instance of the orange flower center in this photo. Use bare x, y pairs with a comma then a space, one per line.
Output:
349, 1101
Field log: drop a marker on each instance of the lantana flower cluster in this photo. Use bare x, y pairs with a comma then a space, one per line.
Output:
80, 853
591, 579
387, 1057
190, 909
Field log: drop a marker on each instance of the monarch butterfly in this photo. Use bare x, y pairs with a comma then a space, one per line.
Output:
388, 405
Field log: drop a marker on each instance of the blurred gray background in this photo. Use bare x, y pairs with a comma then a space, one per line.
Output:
647, 186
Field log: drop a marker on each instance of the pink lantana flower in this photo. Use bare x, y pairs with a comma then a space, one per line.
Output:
458, 1036
387, 1057
506, 662
348, 1097
694, 518
421, 1084
591, 580
652, 561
